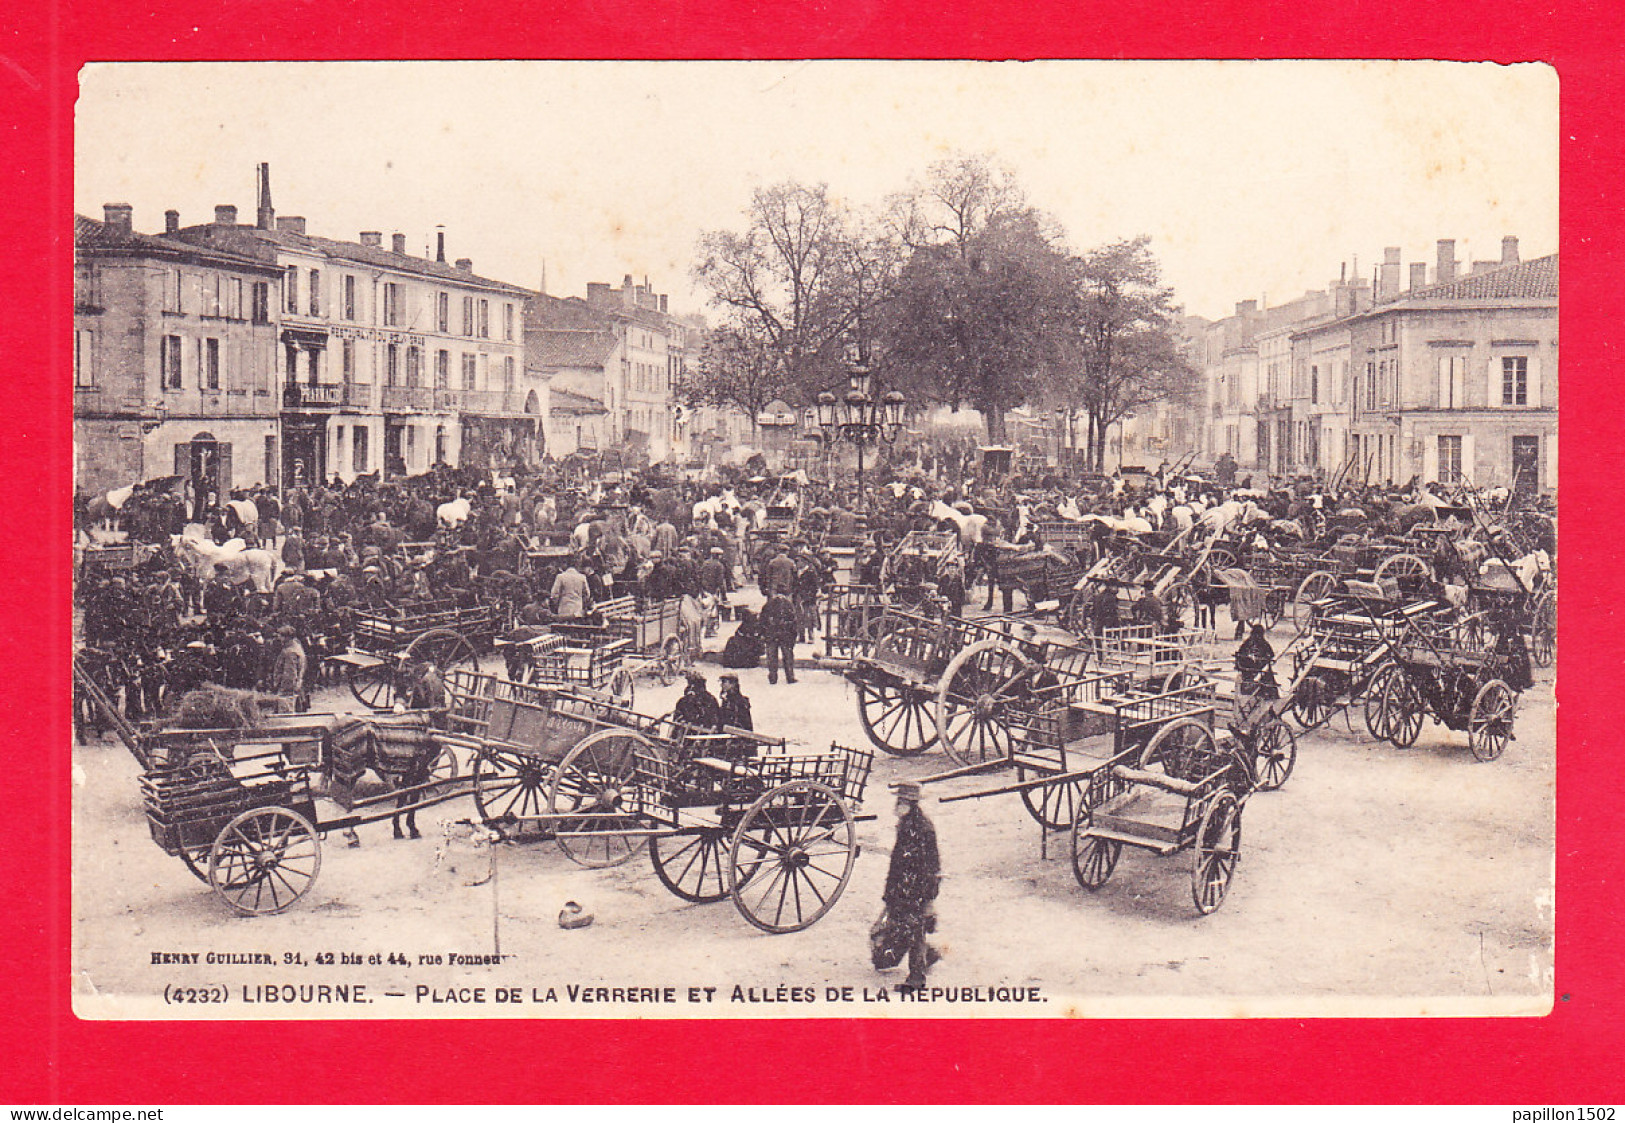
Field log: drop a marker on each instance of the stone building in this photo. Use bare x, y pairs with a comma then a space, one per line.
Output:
390, 361
174, 360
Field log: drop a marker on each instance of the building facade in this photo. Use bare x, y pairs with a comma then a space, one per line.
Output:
389, 362
175, 362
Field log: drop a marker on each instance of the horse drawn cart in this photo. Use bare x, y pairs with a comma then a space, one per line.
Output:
1119, 762
387, 643
237, 806
723, 814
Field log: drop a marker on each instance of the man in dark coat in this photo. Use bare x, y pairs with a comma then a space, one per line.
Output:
697, 708
912, 881
779, 631
734, 708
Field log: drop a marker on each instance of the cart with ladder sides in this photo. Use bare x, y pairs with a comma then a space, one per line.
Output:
238, 807
1460, 681
1345, 645
920, 557
921, 668
387, 642
722, 814
1120, 762
1140, 584
851, 616
598, 655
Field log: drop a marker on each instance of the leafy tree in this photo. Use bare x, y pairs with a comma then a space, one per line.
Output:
983, 305
736, 370
1124, 355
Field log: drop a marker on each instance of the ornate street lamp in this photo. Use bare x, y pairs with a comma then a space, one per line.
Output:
858, 418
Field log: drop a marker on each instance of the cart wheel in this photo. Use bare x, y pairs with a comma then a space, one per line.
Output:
1316, 587
792, 856
673, 661
1402, 703
373, 687
1175, 744
445, 650
265, 860
510, 785
1053, 806
978, 701
693, 866
598, 780
1274, 606
622, 689
1180, 601
1093, 859
897, 718
1379, 713
1312, 702
1217, 850
1075, 614
1543, 632
1489, 724
1402, 567
445, 766
1274, 753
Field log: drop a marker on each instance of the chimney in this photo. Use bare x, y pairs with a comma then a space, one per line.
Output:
292, 224
397, 244
662, 302
440, 246
373, 238
1388, 274
1246, 307
120, 216
1342, 299
172, 221
1509, 250
266, 218
1484, 266
223, 215
1446, 270
466, 264
1419, 275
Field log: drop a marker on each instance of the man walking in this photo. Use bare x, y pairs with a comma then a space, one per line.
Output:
779, 630
912, 881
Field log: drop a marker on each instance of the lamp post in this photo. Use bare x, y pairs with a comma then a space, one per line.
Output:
859, 418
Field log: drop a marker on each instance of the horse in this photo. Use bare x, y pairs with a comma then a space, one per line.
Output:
453, 514
259, 567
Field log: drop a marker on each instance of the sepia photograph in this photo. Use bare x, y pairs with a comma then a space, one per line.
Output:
814, 539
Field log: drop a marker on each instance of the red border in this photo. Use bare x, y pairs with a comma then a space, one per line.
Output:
50, 1057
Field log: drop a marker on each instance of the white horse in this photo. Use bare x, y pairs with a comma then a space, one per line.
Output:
261, 568
454, 514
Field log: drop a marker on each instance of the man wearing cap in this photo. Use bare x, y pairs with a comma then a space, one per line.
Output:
912, 881
734, 707
288, 669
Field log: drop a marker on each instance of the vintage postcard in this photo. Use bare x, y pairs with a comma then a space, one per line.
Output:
814, 539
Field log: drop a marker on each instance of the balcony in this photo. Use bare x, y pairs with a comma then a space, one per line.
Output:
492, 403
409, 399
303, 396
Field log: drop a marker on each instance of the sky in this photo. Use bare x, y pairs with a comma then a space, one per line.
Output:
1254, 180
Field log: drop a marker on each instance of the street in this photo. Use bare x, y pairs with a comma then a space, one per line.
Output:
1375, 881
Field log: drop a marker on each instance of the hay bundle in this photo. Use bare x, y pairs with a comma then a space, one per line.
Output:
223, 707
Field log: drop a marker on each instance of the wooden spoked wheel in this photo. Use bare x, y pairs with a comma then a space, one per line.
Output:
978, 701
1400, 708
673, 661
1275, 751
265, 860
1402, 567
444, 650
1312, 701
1053, 806
1379, 714
596, 794
1274, 607
1489, 722
510, 786
1543, 632
1174, 746
792, 856
1316, 587
897, 717
1093, 859
693, 866
373, 687
1217, 851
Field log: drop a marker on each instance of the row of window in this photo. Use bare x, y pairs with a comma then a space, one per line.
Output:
208, 294
1381, 384
476, 313
403, 366
650, 378
209, 360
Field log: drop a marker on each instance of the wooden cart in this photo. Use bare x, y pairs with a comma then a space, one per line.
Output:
386, 643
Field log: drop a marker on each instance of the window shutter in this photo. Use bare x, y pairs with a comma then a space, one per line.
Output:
183, 458
1534, 397
1430, 459
225, 471
1469, 466
1493, 398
